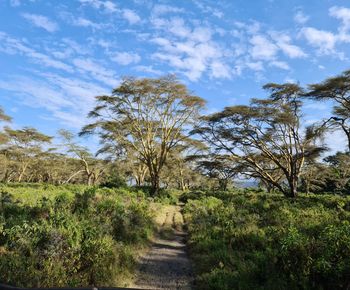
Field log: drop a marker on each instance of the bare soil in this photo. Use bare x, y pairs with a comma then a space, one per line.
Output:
166, 265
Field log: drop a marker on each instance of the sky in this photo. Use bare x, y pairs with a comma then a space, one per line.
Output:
56, 56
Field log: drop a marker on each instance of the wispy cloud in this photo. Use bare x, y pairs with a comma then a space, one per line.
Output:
67, 100
148, 69
107, 6
12, 45
41, 21
189, 50
300, 17
126, 58
83, 22
96, 71
160, 9
130, 16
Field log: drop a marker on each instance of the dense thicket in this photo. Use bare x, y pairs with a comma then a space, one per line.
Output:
250, 240
70, 235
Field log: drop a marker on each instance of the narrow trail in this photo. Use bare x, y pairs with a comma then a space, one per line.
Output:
166, 265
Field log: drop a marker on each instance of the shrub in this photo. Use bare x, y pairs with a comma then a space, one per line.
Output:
252, 240
71, 239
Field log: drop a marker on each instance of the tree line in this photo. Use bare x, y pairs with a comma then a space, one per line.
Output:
152, 133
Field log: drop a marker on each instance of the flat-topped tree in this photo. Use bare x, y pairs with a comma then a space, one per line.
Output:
147, 116
92, 168
22, 147
336, 89
266, 137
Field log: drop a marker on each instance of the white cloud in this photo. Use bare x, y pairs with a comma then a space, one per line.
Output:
283, 41
256, 66
324, 41
83, 22
335, 141
96, 71
220, 70
108, 6
208, 9
41, 21
300, 17
160, 9
262, 48
317, 106
148, 69
36, 93
130, 16
342, 14
280, 64
11, 45
68, 100
78, 48
290, 80
126, 58
189, 50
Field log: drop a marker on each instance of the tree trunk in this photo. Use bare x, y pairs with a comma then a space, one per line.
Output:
90, 179
223, 184
155, 184
24, 167
307, 187
293, 187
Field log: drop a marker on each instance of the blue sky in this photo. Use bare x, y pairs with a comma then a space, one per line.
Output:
55, 56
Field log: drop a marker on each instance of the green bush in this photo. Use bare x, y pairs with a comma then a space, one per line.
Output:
254, 240
70, 239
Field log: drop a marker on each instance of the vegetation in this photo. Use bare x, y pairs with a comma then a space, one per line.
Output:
146, 119
250, 240
72, 217
71, 235
267, 137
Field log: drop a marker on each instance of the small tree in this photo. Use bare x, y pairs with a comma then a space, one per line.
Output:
147, 116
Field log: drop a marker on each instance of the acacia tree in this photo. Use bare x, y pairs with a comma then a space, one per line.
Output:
22, 147
338, 179
266, 136
91, 167
219, 166
336, 89
148, 115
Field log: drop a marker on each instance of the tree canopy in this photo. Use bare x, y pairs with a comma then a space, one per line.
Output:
146, 116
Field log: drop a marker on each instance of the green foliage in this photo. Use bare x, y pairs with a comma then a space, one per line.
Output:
252, 240
70, 239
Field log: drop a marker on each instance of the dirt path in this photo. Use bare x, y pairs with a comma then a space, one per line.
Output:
166, 265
